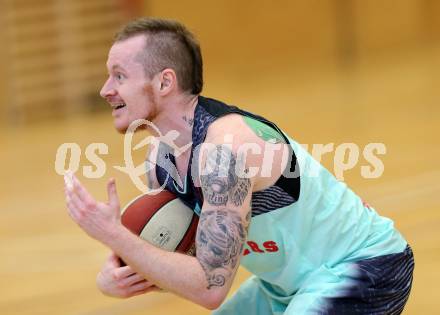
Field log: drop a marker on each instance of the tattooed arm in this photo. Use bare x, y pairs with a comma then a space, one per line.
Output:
228, 176
225, 215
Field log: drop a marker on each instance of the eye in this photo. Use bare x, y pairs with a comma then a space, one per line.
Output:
119, 77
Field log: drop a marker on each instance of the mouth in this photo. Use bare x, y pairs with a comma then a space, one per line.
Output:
118, 106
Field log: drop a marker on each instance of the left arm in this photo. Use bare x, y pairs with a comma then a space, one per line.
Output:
224, 218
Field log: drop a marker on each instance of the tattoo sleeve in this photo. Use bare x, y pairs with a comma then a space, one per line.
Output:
221, 182
220, 237
223, 225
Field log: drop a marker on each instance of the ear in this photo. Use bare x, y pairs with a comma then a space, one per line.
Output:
167, 81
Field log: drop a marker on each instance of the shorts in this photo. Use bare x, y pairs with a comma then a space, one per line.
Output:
379, 285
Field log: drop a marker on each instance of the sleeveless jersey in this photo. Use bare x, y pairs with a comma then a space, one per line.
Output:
308, 225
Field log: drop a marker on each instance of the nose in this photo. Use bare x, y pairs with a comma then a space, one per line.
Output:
107, 89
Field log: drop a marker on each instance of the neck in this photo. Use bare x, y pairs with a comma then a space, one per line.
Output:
177, 115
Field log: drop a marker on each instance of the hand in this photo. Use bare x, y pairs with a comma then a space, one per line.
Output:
98, 219
121, 282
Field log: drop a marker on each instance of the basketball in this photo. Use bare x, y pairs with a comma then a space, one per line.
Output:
162, 220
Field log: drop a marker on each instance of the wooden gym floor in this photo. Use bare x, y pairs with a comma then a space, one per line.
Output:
48, 265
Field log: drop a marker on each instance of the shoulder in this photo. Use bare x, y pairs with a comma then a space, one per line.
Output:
231, 123
233, 126
244, 133
232, 131
262, 151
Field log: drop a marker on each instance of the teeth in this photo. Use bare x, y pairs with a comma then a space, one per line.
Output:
117, 106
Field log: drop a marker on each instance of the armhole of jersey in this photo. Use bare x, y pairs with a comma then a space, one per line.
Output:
272, 134
291, 185
270, 131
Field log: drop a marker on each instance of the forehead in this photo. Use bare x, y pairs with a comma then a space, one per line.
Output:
125, 51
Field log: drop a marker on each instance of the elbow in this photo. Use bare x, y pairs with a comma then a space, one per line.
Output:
213, 299
212, 305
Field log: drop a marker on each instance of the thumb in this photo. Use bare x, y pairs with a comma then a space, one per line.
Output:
113, 199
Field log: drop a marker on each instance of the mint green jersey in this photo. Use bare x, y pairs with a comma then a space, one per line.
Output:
327, 226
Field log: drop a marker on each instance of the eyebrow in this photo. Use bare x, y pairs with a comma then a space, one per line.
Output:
115, 67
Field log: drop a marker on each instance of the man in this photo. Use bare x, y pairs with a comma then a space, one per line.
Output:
313, 246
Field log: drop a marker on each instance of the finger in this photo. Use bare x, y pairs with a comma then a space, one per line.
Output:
74, 200
68, 183
82, 192
140, 286
123, 272
113, 199
72, 205
133, 279
68, 190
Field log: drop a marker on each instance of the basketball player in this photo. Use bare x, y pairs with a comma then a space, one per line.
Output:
310, 242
